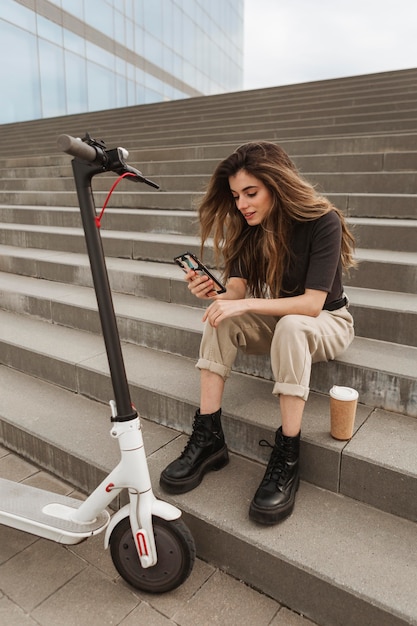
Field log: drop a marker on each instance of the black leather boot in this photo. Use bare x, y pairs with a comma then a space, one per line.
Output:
275, 496
205, 451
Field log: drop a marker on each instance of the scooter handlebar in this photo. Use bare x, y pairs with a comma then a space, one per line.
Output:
111, 160
77, 148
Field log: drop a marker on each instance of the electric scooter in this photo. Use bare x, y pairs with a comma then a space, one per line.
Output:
150, 545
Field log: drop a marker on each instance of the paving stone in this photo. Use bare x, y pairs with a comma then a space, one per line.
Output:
12, 615
87, 598
15, 468
13, 541
224, 601
21, 575
285, 617
145, 614
48, 482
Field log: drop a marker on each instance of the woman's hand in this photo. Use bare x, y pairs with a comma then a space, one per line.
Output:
201, 286
221, 309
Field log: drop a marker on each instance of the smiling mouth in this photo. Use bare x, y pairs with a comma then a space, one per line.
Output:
249, 215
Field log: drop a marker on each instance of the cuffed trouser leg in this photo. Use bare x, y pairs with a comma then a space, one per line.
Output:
299, 341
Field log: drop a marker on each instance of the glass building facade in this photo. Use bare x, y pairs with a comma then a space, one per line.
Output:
70, 56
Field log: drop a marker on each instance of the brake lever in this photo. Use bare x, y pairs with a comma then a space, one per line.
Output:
138, 176
118, 165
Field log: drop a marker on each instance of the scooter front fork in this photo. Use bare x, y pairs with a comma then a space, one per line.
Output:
131, 473
140, 514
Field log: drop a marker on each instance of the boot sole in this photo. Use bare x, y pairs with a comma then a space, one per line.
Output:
182, 485
273, 515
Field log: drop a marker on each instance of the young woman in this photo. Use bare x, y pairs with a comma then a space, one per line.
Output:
283, 248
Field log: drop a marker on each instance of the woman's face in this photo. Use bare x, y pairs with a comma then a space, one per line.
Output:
252, 198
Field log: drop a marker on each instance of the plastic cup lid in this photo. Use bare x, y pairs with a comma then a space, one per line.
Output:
343, 393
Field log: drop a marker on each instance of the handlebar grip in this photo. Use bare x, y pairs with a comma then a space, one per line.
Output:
77, 148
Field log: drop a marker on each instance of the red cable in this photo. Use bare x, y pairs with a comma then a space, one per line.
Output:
98, 219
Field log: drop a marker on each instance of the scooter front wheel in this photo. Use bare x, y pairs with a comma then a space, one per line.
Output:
175, 552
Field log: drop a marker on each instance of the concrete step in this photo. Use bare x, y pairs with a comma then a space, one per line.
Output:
362, 162
159, 281
384, 315
378, 205
186, 182
279, 131
143, 220
348, 569
123, 244
327, 182
365, 182
386, 234
159, 325
378, 269
218, 108
256, 120
389, 144
386, 270
129, 198
384, 205
370, 169
258, 116
396, 205
262, 117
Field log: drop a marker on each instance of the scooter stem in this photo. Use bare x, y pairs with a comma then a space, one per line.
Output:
83, 173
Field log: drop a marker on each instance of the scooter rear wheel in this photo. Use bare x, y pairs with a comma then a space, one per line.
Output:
175, 551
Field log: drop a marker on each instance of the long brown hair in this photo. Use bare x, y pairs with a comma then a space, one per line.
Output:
263, 249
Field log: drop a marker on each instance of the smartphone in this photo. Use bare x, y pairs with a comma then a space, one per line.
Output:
189, 261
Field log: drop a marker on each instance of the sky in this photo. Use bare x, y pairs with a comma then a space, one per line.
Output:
297, 41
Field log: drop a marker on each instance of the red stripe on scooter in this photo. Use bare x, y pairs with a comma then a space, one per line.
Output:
141, 543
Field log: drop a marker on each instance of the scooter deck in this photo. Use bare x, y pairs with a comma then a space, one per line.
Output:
45, 514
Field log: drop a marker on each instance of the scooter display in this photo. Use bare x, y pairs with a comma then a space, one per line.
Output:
150, 545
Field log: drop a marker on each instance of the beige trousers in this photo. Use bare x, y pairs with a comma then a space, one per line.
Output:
293, 341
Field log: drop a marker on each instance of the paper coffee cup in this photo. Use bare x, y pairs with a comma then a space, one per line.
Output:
343, 403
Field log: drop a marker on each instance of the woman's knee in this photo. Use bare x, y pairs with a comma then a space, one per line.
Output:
293, 336
290, 326
227, 332
219, 345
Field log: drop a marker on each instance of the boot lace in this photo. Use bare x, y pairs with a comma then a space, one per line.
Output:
198, 438
277, 468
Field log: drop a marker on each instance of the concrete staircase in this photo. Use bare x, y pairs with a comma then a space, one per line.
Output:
346, 555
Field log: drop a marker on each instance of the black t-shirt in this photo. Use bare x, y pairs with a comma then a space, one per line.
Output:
315, 260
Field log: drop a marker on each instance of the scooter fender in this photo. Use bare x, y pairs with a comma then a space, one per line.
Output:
161, 509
